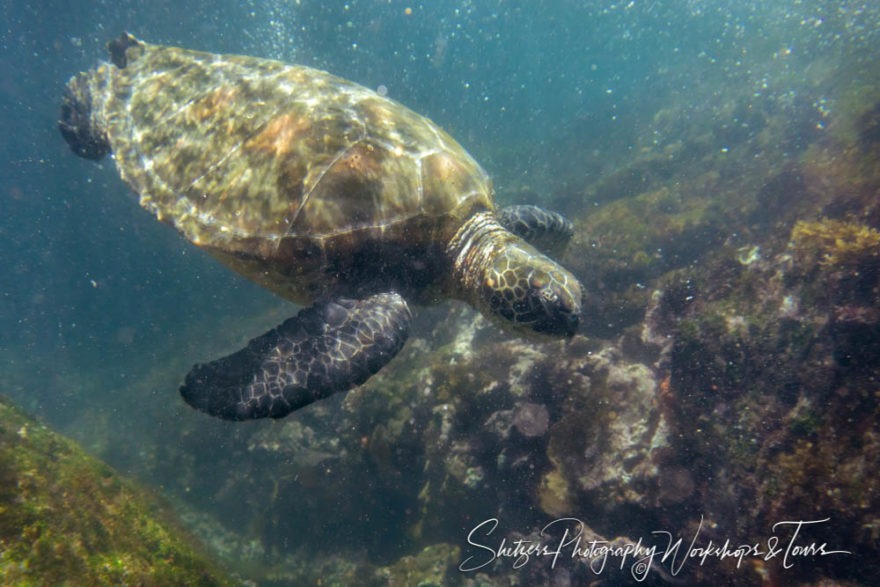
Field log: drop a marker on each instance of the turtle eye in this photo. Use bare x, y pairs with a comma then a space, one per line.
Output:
548, 296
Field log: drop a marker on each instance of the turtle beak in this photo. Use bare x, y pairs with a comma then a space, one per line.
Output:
561, 310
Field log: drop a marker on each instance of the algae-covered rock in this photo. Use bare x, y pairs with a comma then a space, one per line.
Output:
432, 567
773, 369
613, 448
67, 518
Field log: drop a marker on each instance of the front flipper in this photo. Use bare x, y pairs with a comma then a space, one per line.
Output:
327, 348
547, 231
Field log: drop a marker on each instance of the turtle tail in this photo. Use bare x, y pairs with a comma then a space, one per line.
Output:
327, 348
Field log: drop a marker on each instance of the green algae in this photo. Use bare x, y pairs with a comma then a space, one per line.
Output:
68, 519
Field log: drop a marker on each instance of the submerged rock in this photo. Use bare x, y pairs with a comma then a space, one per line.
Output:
432, 567
66, 518
531, 420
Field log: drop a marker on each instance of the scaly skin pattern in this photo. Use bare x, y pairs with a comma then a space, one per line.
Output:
322, 350
545, 230
508, 279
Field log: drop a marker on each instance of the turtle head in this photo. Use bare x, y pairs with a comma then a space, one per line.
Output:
527, 289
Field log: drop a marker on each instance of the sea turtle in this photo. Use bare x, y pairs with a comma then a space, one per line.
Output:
324, 192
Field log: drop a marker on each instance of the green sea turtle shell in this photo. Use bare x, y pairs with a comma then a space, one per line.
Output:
305, 182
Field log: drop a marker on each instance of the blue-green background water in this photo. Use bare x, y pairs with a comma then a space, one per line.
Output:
102, 309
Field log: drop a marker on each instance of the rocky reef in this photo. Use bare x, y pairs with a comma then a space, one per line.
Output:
68, 519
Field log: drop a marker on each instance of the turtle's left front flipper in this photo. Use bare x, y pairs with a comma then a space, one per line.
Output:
547, 231
327, 348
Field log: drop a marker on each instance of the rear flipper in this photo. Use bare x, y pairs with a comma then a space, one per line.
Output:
547, 231
327, 348
79, 123
82, 121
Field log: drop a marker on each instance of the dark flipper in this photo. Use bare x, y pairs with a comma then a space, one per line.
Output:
77, 124
118, 47
547, 231
327, 348
82, 120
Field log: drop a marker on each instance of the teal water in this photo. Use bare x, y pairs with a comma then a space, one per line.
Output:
103, 309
